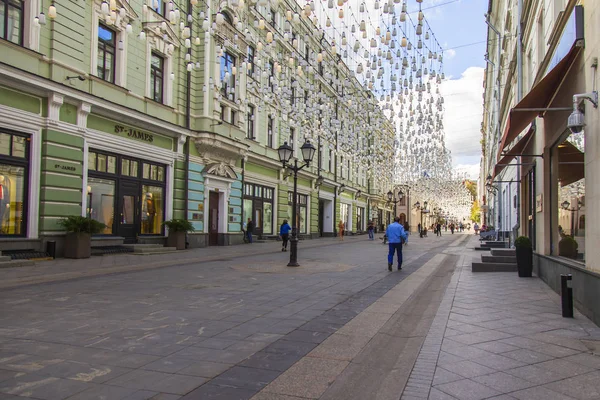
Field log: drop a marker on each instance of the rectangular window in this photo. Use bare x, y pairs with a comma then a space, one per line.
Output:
360, 212
270, 131
273, 16
11, 21
14, 163
301, 212
250, 61
227, 77
330, 160
157, 70
293, 92
161, 6
292, 142
250, 133
152, 210
101, 202
271, 70
107, 39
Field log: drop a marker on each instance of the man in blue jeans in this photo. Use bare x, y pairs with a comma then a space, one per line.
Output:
396, 236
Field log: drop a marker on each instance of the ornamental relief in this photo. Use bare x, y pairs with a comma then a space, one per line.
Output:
215, 151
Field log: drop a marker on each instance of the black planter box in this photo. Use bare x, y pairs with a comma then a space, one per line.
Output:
524, 261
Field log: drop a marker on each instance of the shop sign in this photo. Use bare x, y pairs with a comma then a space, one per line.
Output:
63, 167
134, 133
539, 201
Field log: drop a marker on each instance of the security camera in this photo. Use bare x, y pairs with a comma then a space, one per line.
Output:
576, 121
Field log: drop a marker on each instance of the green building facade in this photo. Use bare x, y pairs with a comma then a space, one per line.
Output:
131, 119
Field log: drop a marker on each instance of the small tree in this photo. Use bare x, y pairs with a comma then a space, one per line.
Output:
476, 212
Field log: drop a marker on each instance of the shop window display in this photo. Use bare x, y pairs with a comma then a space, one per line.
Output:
14, 154
101, 202
152, 210
258, 205
570, 156
301, 212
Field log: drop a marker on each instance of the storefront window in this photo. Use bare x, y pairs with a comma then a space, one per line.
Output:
14, 154
360, 212
152, 210
127, 203
301, 211
345, 215
101, 202
571, 198
258, 206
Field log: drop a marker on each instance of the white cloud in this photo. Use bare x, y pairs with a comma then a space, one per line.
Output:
449, 54
471, 170
462, 117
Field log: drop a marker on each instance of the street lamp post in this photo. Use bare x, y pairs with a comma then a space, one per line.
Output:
285, 154
423, 211
391, 195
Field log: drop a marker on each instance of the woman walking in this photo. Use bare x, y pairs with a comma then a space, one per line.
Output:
371, 230
284, 232
341, 228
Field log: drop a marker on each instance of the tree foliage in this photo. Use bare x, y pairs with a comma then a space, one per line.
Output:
475, 212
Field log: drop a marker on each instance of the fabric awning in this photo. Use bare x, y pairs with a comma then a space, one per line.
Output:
515, 151
540, 96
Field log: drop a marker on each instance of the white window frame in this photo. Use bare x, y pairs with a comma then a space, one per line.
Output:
168, 65
120, 55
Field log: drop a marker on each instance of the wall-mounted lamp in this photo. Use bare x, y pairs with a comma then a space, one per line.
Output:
319, 181
341, 189
358, 194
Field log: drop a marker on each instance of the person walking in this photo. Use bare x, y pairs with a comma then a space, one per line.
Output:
476, 228
250, 229
438, 229
396, 236
452, 228
284, 232
244, 232
341, 228
371, 230
407, 230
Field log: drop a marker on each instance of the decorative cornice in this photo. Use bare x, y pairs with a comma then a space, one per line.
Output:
214, 148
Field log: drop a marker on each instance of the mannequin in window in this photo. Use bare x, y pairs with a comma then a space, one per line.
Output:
4, 200
148, 213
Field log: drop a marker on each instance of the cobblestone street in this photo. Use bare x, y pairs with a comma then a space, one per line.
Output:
338, 327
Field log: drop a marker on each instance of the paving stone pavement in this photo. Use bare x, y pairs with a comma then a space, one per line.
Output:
243, 328
499, 336
213, 329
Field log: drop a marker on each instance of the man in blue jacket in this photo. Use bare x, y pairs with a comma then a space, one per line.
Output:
396, 236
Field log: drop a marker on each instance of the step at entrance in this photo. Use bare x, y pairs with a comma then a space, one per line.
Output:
493, 267
151, 249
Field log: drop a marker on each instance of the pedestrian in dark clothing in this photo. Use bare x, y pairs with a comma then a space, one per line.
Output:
371, 230
249, 229
396, 236
284, 231
438, 228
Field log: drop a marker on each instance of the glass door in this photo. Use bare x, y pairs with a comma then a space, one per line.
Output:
129, 199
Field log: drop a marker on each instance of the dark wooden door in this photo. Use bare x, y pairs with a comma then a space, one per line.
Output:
321, 217
257, 217
128, 207
213, 219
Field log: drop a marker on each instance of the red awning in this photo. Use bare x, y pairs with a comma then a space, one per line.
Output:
540, 96
515, 151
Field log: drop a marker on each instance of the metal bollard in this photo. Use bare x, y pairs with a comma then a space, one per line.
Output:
566, 295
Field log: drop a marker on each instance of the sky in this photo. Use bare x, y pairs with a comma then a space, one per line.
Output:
459, 26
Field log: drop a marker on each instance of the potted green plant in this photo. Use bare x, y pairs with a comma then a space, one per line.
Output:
177, 231
524, 252
78, 241
567, 247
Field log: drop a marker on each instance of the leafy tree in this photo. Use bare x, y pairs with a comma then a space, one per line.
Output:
475, 212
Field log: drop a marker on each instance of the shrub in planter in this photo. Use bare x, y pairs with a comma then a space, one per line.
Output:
177, 231
78, 241
524, 252
567, 247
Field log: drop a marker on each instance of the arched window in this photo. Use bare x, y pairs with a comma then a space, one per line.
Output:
227, 17
582, 221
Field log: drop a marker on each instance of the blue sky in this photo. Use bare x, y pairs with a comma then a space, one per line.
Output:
460, 27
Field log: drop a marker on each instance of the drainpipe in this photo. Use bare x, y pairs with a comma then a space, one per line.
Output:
519, 96
188, 124
498, 70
